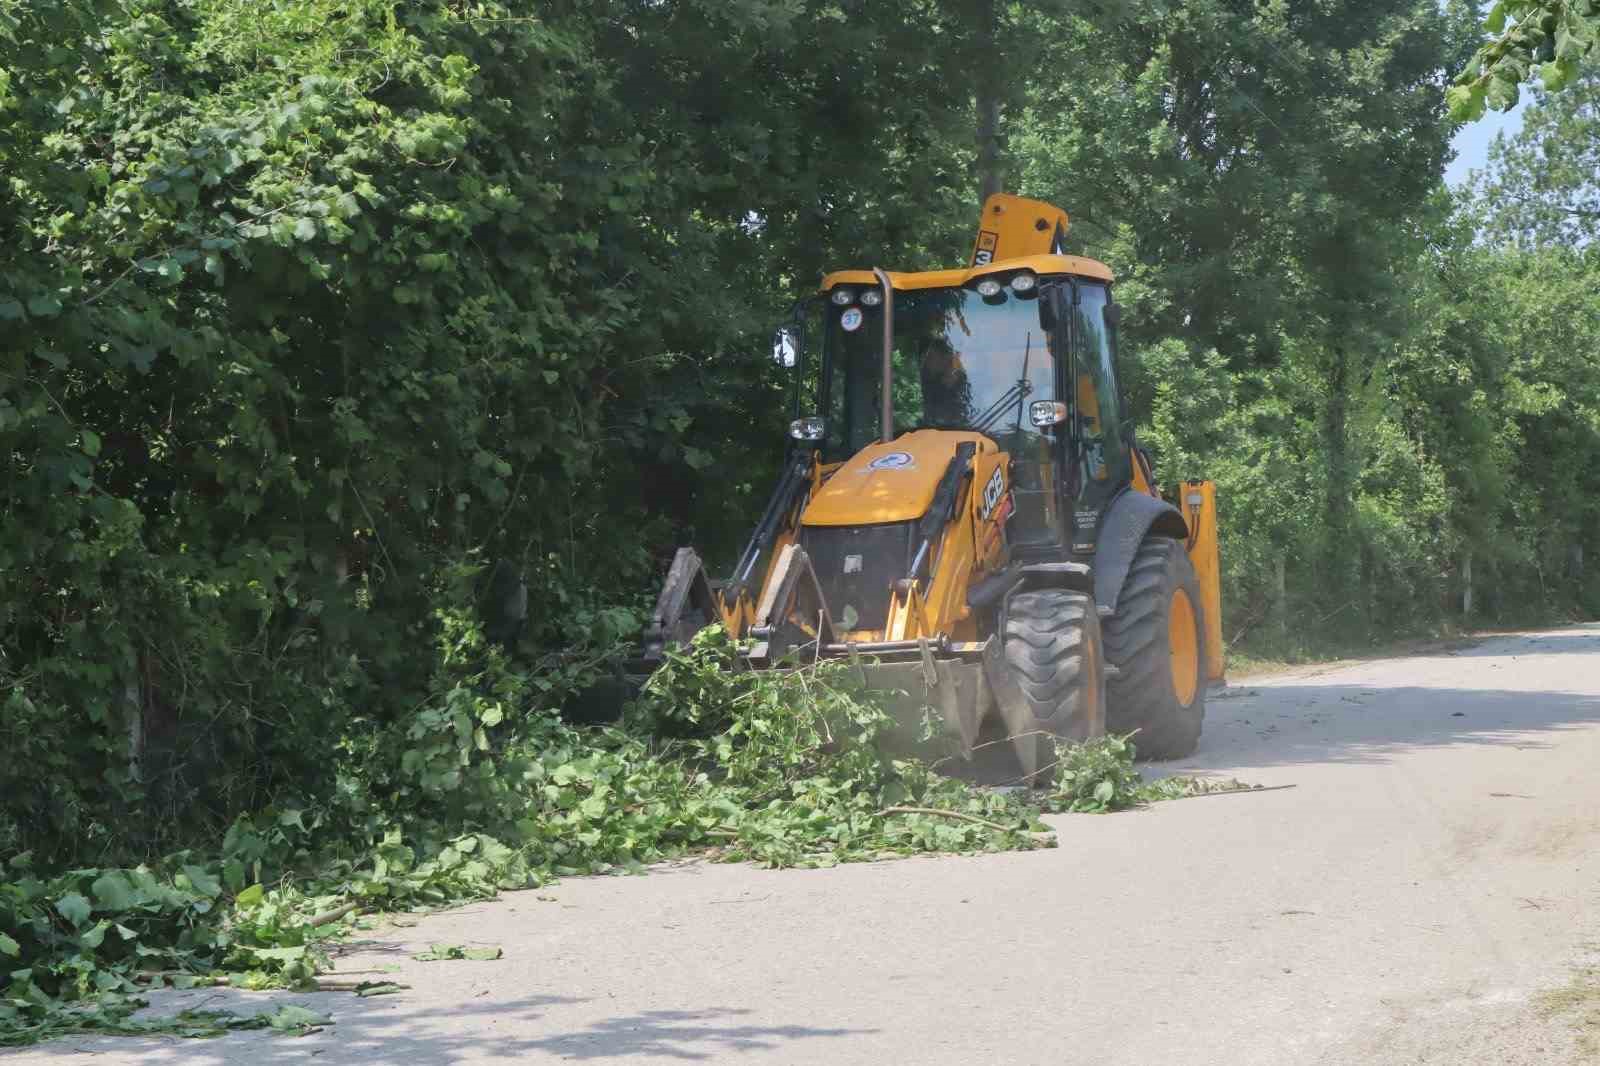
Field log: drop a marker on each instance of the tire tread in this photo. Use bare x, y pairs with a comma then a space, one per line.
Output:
1047, 634
1140, 697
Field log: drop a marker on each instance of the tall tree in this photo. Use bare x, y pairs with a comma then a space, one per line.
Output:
1261, 173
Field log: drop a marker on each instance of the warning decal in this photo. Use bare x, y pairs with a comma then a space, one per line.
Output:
988, 241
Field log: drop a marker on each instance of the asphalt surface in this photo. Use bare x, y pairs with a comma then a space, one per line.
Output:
1417, 897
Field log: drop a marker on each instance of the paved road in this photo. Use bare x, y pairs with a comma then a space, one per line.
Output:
1431, 877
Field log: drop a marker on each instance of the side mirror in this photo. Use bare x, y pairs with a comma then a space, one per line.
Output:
786, 347
1044, 414
1113, 315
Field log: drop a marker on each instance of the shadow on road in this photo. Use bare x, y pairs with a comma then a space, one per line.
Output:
399, 1029
1581, 640
1288, 724
677, 1034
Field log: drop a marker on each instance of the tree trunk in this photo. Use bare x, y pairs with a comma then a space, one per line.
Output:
133, 708
990, 176
1466, 585
1280, 599
1341, 564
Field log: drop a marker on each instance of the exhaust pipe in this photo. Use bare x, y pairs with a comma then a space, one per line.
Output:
888, 353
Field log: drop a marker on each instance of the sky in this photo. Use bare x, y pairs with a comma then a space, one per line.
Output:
1472, 141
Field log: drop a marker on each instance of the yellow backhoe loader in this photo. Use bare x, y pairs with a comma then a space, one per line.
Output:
965, 513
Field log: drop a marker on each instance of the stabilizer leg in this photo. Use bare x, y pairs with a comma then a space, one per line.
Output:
792, 614
685, 606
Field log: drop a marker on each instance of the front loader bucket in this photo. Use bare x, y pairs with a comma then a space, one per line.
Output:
936, 704
962, 711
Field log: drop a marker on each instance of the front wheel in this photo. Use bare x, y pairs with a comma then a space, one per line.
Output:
1052, 646
1156, 641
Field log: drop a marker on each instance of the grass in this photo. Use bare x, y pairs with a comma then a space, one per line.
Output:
1242, 665
1579, 1001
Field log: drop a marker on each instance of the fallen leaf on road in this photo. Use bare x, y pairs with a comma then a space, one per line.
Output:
289, 1018
444, 952
378, 988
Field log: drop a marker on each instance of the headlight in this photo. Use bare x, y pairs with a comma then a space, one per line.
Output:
1023, 282
810, 428
843, 296
1046, 413
871, 297
989, 287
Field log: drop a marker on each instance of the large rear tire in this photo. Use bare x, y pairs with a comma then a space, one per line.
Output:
1053, 647
1156, 641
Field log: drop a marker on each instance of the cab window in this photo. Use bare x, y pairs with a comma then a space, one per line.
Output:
1096, 398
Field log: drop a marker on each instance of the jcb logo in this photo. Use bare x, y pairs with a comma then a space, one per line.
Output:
992, 492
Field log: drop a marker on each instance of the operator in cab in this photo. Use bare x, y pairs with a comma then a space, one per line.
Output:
946, 389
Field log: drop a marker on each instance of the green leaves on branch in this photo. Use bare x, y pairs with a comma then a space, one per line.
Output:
789, 767
82, 946
1550, 38
1096, 777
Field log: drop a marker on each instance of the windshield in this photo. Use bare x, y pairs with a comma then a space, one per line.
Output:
961, 361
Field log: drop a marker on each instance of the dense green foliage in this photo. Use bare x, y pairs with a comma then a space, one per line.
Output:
361, 363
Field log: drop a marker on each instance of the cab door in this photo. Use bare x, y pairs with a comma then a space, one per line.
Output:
1101, 463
